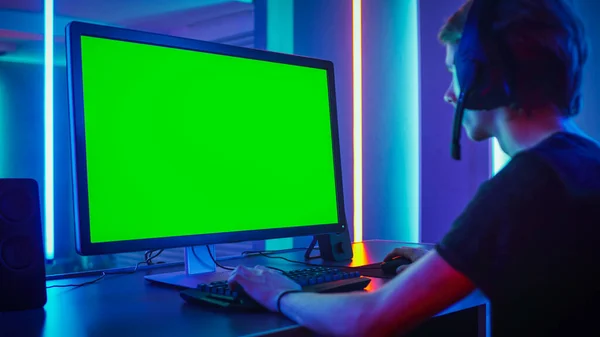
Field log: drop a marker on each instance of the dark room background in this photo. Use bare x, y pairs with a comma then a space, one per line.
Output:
317, 28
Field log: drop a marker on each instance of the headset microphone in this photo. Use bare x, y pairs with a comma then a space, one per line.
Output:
456, 128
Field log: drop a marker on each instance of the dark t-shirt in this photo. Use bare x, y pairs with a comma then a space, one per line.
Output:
530, 240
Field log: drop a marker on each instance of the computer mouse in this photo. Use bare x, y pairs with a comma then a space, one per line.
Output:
389, 267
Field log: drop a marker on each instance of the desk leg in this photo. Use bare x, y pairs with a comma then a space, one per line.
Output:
485, 320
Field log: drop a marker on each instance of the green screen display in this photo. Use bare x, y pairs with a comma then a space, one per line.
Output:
183, 143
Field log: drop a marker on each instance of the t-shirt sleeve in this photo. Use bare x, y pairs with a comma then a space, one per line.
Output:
493, 230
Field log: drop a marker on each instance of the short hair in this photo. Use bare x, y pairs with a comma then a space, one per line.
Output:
549, 49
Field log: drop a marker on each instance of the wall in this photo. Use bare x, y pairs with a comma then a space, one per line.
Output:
21, 118
391, 120
23, 139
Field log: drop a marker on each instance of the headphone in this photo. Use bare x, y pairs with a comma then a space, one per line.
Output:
482, 67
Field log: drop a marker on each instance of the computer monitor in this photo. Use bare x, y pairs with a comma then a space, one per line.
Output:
183, 143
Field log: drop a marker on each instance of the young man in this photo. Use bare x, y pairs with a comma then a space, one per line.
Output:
530, 239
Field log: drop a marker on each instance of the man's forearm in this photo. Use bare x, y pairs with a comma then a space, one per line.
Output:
345, 314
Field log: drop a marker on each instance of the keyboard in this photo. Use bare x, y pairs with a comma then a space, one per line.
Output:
315, 279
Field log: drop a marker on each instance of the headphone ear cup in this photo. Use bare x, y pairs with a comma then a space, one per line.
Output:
479, 67
490, 90
479, 60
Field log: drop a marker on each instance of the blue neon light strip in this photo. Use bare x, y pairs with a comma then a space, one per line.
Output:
499, 158
49, 128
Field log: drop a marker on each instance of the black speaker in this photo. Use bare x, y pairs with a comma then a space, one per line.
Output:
22, 263
333, 247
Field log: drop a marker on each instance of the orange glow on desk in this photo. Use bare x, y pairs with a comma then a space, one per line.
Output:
360, 255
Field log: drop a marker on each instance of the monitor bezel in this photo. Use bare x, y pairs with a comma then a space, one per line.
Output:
84, 246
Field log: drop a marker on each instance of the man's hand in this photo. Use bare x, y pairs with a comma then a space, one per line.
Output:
264, 285
411, 253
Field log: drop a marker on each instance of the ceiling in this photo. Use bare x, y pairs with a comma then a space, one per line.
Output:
22, 21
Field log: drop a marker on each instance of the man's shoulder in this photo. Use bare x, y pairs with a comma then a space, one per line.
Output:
527, 180
525, 168
572, 159
562, 167
560, 156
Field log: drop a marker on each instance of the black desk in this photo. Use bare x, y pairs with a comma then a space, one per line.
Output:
127, 305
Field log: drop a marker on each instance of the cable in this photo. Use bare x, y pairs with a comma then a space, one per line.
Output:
309, 264
148, 257
257, 252
225, 267
78, 285
212, 258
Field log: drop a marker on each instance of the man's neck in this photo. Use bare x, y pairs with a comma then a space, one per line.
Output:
521, 133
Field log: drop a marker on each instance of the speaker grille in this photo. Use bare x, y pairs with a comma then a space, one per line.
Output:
16, 205
16, 252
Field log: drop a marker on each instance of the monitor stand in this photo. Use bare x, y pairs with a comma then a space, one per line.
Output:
199, 268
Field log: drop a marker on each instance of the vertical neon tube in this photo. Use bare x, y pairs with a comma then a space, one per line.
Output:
49, 128
413, 153
4, 133
498, 157
357, 118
